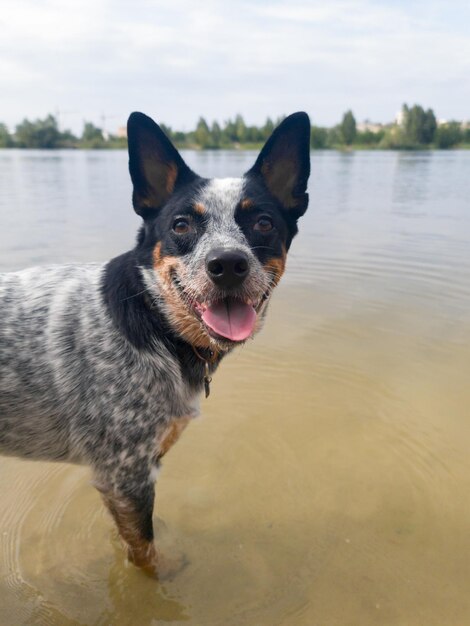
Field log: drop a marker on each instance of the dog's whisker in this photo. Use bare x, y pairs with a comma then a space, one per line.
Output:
135, 295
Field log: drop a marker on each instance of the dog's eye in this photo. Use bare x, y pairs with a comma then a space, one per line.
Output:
264, 224
181, 226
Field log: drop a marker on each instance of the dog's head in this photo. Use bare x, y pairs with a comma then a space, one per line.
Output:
212, 250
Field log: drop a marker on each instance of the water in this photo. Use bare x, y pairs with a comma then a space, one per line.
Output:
329, 479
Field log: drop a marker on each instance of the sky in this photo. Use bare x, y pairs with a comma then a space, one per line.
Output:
98, 60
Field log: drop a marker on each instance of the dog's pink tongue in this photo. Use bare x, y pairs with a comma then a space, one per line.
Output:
232, 319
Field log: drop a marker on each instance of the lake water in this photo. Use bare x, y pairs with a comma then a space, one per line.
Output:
329, 480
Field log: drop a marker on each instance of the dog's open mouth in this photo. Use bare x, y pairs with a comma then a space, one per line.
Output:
229, 318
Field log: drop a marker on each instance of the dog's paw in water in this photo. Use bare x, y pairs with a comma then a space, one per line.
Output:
160, 566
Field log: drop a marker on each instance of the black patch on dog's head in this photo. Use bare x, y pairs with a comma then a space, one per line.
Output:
276, 187
259, 205
164, 189
158, 228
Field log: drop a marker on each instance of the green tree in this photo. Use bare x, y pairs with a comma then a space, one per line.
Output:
429, 127
6, 140
348, 128
39, 134
202, 133
369, 137
419, 125
448, 135
92, 136
179, 137
267, 129
466, 134
318, 138
251, 134
240, 129
216, 135
229, 132
333, 137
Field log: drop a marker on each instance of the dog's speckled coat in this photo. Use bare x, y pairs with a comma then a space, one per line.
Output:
97, 362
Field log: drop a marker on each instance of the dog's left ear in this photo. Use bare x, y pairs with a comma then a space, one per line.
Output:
155, 165
284, 163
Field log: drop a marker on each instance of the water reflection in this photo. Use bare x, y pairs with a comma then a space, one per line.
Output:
149, 600
328, 482
411, 182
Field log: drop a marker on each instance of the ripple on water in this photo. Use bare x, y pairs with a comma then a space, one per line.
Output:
328, 482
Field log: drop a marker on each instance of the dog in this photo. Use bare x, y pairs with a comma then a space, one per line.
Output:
105, 364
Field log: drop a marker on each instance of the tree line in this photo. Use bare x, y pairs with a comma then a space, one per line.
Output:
46, 134
416, 129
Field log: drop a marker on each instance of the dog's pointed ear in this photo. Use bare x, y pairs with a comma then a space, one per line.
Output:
155, 165
284, 163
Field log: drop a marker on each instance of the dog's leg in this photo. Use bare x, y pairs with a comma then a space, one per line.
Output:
133, 517
128, 492
132, 513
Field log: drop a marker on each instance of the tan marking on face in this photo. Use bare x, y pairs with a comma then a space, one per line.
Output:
280, 178
182, 319
199, 208
246, 203
128, 521
157, 254
171, 434
275, 266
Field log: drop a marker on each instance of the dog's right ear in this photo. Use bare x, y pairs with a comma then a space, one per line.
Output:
155, 165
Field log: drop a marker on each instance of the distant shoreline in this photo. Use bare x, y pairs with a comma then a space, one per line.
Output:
248, 147
413, 129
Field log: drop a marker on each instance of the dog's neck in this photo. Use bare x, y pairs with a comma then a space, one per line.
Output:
142, 323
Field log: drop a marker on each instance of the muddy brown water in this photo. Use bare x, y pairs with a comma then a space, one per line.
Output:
328, 481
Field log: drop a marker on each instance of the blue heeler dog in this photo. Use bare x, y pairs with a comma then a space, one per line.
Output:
104, 364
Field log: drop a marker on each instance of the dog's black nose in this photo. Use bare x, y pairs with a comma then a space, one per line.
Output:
227, 267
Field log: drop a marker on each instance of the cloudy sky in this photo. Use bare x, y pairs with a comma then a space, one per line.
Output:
179, 59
